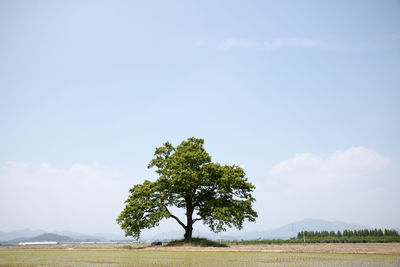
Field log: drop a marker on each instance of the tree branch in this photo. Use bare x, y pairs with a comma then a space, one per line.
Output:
202, 195
197, 219
176, 218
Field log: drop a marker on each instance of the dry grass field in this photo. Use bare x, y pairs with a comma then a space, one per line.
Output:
145, 255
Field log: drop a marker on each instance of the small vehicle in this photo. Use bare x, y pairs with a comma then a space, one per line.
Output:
156, 243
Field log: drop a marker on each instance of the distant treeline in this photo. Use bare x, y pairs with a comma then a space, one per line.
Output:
349, 236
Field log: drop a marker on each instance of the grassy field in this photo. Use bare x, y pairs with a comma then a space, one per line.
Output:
135, 257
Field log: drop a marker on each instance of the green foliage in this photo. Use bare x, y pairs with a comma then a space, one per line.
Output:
220, 195
201, 242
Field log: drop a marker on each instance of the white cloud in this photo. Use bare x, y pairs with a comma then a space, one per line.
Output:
350, 163
352, 185
237, 43
293, 42
83, 197
277, 43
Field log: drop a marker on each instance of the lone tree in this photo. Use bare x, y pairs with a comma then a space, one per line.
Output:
218, 195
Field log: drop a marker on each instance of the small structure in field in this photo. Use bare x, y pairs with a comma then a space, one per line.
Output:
156, 243
37, 243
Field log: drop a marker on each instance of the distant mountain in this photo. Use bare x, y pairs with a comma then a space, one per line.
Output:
163, 236
284, 232
83, 237
50, 237
46, 237
112, 237
26, 233
291, 229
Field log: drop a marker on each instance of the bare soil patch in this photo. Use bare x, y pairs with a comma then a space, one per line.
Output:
370, 248
358, 248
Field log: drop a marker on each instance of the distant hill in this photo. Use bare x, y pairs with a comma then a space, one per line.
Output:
50, 237
284, 232
82, 237
178, 234
46, 237
111, 237
25, 233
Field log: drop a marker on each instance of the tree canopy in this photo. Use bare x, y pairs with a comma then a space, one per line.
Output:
218, 195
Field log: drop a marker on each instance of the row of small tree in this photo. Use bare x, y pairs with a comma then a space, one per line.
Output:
349, 236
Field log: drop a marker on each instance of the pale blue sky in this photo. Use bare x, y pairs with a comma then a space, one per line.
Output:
103, 83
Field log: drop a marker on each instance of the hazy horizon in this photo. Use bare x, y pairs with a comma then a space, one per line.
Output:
312, 224
303, 96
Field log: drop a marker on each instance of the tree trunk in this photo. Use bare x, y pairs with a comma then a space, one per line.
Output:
189, 223
188, 234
